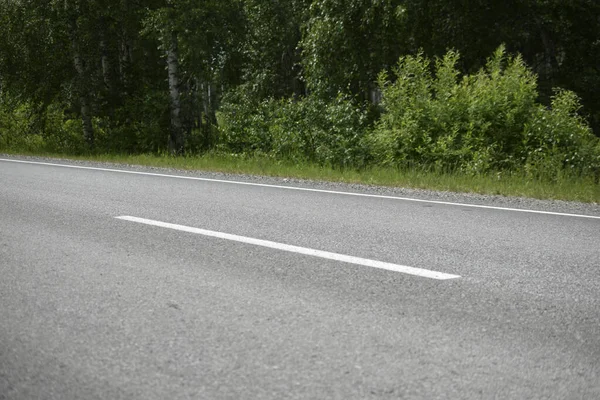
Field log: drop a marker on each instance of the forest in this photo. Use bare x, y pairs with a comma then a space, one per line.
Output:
476, 86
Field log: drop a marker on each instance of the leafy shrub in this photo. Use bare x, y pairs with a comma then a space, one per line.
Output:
139, 125
484, 122
62, 132
24, 127
14, 124
242, 123
560, 140
308, 129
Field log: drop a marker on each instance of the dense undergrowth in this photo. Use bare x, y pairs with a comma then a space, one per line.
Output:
429, 118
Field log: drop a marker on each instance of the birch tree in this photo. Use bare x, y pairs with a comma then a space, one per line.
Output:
195, 38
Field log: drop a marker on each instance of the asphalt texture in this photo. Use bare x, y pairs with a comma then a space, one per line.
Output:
93, 307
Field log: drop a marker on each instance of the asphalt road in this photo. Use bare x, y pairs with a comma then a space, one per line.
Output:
95, 307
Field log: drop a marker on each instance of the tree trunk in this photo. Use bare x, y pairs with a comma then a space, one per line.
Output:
86, 113
176, 134
104, 57
105, 65
125, 57
125, 60
550, 60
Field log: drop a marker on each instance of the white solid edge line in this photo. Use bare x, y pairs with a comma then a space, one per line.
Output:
296, 249
378, 196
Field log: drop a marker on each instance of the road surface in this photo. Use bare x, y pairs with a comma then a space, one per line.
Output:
141, 285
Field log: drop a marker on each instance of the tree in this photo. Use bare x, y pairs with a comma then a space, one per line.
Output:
272, 59
195, 37
346, 43
35, 56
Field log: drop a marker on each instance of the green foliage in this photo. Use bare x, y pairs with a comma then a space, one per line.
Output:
14, 125
24, 128
557, 38
488, 121
62, 132
301, 77
559, 141
138, 126
309, 129
346, 43
270, 47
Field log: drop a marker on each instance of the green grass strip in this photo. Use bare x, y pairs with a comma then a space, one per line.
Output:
514, 185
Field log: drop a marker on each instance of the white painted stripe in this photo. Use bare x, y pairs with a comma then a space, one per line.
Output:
378, 196
296, 249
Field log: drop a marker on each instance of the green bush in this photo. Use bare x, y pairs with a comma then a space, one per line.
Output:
36, 128
24, 127
61, 132
242, 124
14, 124
559, 140
139, 125
489, 121
308, 129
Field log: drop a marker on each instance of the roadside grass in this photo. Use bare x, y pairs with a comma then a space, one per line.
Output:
513, 185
